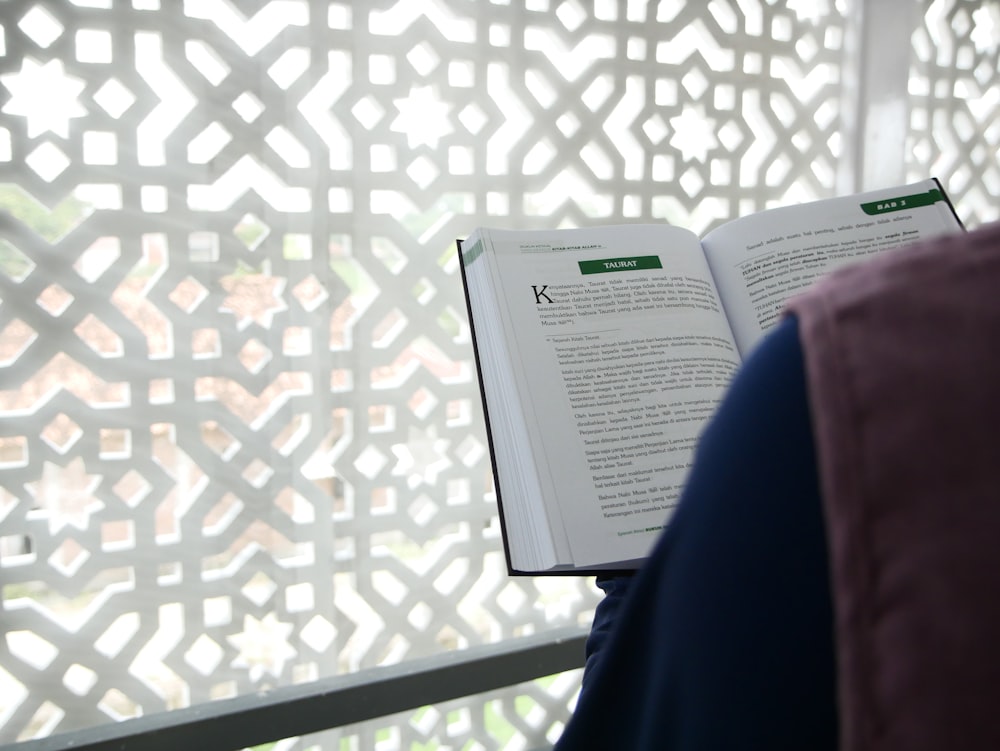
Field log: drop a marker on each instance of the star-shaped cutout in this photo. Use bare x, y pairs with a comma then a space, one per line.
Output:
45, 95
65, 494
694, 133
422, 458
263, 646
423, 117
986, 32
254, 297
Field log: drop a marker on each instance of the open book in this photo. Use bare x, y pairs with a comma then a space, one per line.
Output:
602, 352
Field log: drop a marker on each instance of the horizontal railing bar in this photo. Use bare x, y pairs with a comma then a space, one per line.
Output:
292, 711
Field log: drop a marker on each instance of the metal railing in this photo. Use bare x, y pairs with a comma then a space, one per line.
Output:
333, 702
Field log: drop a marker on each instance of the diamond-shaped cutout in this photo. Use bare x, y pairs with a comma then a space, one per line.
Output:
15, 338
258, 473
568, 124
655, 129
68, 557
368, 112
691, 182
15, 264
251, 231
571, 15
114, 98
318, 634
259, 589
48, 161
248, 106
205, 655
422, 510
188, 294
423, 172
61, 433
79, 679
41, 26
420, 616
424, 291
370, 462
254, 356
511, 598
422, 403
448, 637
473, 118
731, 136
132, 488
310, 293
695, 82
470, 451
54, 300
423, 58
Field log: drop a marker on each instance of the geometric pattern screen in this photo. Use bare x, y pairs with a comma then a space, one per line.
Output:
241, 444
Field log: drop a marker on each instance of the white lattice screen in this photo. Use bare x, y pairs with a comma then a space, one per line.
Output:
240, 436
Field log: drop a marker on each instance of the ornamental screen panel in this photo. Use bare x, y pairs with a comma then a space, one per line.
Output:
240, 436
954, 97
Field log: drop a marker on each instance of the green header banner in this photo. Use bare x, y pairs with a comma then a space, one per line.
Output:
902, 203
612, 265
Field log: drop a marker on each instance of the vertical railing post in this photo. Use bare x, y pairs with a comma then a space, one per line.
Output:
875, 107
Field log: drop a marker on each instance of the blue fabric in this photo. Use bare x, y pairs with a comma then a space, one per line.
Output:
615, 588
725, 637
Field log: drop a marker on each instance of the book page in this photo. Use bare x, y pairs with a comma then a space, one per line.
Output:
623, 350
760, 261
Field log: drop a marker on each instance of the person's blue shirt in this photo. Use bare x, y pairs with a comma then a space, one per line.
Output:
724, 639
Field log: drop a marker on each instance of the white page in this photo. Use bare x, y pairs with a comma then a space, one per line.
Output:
613, 442
528, 527
762, 260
